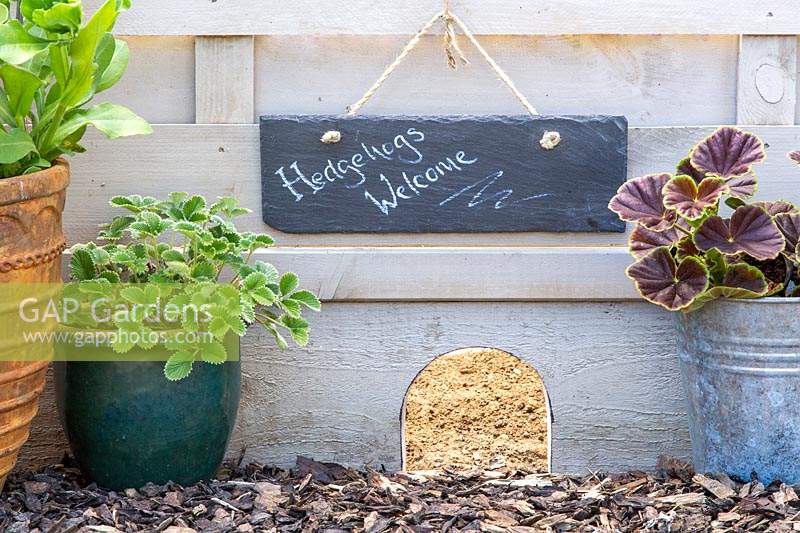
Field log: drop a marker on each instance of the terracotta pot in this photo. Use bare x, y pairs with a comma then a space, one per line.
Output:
31, 242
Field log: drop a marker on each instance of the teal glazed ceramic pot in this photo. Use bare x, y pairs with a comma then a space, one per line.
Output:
127, 425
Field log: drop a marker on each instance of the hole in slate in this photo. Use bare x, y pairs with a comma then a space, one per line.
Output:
476, 407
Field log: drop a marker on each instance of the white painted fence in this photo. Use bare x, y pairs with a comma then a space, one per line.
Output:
203, 72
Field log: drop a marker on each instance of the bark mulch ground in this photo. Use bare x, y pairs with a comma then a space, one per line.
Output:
330, 498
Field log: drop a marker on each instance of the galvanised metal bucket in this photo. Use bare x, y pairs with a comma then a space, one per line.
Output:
740, 361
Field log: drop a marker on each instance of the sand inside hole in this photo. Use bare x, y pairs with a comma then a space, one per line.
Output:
476, 407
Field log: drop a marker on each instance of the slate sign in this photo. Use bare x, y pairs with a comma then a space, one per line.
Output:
441, 174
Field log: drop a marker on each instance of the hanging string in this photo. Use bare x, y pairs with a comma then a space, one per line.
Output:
452, 50
353, 109
499, 71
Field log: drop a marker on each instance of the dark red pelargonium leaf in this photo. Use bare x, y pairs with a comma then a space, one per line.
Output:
660, 281
789, 224
642, 240
728, 152
641, 200
794, 156
741, 281
750, 230
686, 248
743, 186
744, 276
690, 200
775, 208
685, 168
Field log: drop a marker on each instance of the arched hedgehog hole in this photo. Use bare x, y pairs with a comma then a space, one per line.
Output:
476, 407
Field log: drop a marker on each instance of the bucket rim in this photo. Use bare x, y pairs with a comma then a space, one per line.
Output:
767, 300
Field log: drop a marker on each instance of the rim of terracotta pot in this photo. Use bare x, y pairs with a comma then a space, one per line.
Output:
36, 185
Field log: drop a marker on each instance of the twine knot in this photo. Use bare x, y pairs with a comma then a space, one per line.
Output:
453, 53
550, 140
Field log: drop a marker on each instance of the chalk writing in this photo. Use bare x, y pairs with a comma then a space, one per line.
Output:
416, 184
441, 174
352, 171
500, 198
349, 170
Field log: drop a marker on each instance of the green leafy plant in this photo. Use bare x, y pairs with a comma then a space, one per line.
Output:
688, 250
178, 251
51, 66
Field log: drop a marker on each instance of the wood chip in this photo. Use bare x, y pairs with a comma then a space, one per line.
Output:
691, 498
713, 486
330, 498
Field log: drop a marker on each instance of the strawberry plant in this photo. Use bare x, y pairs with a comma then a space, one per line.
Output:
696, 237
181, 253
52, 65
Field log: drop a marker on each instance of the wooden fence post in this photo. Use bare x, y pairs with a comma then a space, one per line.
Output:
767, 80
224, 80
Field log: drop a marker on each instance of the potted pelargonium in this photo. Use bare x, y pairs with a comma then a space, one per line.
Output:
150, 387
731, 269
51, 67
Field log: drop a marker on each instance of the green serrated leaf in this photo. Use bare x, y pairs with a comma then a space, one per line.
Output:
204, 272
121, 344
308, 299
218, 327
100, 256
82, 265
269, 270
263, 296
134, 295
179, 365
172, 255
279, 339
110, 276
292, 307
193, 206
298, 327
146, 341
178, 267
150, 223
289, 283
237, 325
190, 229
248, 311
213, 352
254, 281
300, 336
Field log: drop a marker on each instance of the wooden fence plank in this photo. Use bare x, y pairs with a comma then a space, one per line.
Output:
640, 76
217, 160
224, 80
450, 274
382, 17
369, 353
600, 378
767, 80
460, 274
